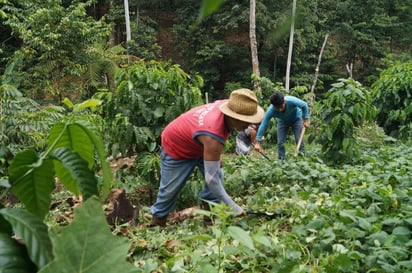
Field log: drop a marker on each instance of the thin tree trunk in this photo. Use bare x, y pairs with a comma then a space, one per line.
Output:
292, 31
253, 42
312, 90
126, 15
128, 33
349, 68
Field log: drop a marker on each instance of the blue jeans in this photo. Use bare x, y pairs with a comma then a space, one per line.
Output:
282, 134
173, 176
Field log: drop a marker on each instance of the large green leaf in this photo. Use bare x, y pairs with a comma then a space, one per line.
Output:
104, 164
74, 137
5, 226
85, 142
13, 256
90, 103
32, 180
34, 233
87, 245
241, 236
71, 168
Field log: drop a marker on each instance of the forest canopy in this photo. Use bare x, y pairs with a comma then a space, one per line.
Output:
55, 44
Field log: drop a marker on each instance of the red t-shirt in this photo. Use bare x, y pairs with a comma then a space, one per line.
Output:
178, 138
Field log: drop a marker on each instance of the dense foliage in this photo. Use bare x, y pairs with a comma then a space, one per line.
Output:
70, 156
23, 122
148, 96
58, 45
393, 97
345, 207
346, 108
47, 37
314, 218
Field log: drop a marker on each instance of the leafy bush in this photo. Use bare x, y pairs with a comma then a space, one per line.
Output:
347, 106
23, 124
61, 42
392, 94
148, 97
372, 135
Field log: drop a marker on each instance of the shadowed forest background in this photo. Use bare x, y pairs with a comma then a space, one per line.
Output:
55, 45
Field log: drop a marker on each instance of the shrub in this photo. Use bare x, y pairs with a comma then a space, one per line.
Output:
392, 94
348, 105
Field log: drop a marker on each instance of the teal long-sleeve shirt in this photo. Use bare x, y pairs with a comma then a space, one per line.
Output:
295, 108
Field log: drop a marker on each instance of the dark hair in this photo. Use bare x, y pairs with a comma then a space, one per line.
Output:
277, 99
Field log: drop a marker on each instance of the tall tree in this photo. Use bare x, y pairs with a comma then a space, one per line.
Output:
253, 42
292, 32
127, 18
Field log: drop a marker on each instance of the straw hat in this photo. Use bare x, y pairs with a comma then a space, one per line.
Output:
243, 105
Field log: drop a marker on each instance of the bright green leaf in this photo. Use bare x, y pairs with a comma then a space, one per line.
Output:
401, 231
74, 168
13, 256
33, 232
32, 181
343, 263
262, 240
75, 137
88, 246
208, 7
241, 236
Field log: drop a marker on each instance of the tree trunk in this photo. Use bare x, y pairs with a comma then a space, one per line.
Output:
253, 42
292, 31
126, 15
312, 89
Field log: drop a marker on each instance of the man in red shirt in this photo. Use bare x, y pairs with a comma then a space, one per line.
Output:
196, 139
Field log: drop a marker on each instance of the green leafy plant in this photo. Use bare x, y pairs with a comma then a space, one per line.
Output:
61, 43
372, 135
148, 97
70, 156
347, 106
23, 122
353, 218
89, 234
393, 98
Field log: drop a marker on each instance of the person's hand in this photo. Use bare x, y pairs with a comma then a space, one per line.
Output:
241, 213
306, 123
238, 211
258, 147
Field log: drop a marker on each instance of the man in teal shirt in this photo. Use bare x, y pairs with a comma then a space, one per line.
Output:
290, 112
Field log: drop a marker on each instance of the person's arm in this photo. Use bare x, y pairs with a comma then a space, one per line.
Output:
303, 106
262, 128
305, 114
212, 150
305, 111
306, 123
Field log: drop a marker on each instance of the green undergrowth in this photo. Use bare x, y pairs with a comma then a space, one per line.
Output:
315, 218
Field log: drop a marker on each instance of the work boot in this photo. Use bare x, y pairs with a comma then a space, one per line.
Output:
207, 221
161, 221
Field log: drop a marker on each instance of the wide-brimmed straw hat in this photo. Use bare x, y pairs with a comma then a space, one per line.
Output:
243, 105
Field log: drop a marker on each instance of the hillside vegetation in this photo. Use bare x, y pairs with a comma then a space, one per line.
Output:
82, 111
